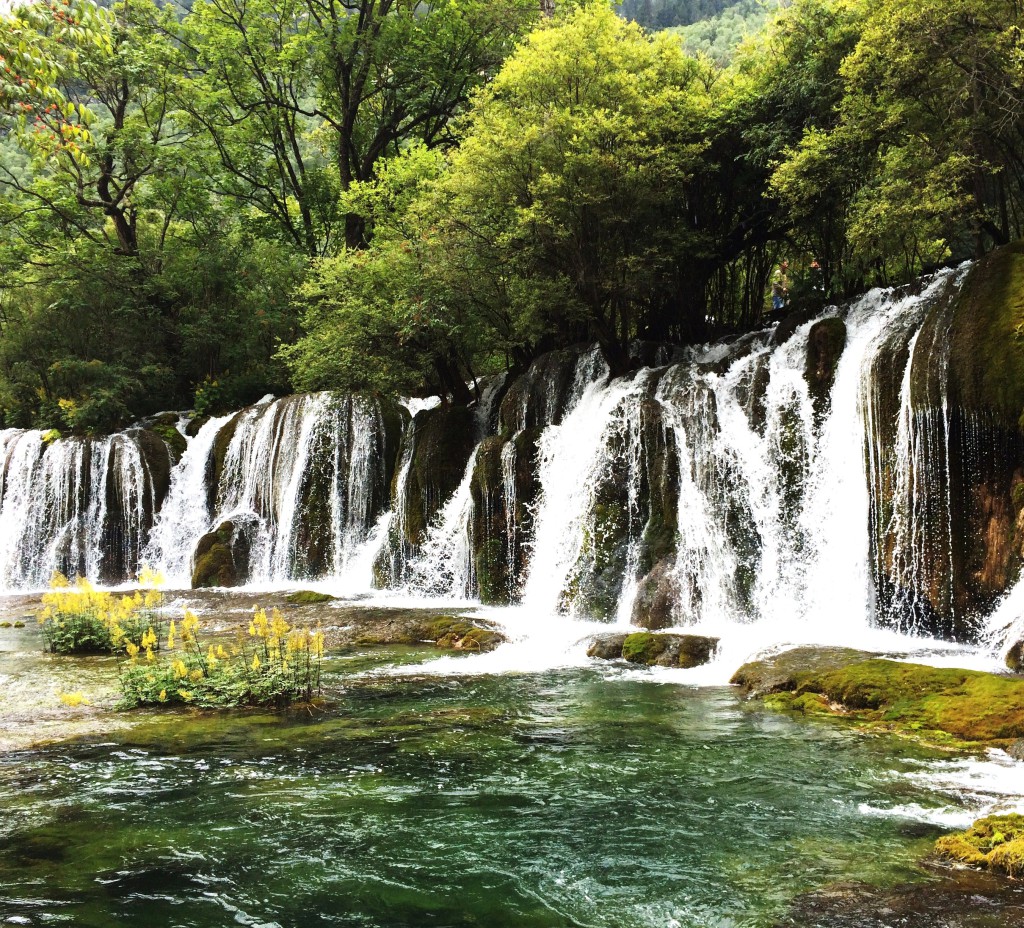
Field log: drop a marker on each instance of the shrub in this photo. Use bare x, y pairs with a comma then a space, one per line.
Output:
79, 619
273, 665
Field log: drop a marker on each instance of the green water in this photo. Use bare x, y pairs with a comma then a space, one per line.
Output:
566, 798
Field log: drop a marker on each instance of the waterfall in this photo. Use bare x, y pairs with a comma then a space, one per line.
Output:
185, 515
813, 475
303, 480
77, 506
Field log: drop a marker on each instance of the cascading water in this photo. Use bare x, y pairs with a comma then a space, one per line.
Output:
303, 481
74, 506
740, 484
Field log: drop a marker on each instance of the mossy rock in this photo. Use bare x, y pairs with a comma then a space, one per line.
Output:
175, 441
195, 425
995, 843
782, 672
458, 634
220, 449
214, 567
221, 558
945, 706
309, 598
668, 650
1015, 657
825, 343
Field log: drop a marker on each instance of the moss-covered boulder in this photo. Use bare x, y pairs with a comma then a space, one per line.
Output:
1015, 657
657, 598
942, 705
158, 460
826, 340
995, 844
655, 650
221, 557
308, 598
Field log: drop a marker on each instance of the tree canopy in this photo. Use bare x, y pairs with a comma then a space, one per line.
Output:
198, 207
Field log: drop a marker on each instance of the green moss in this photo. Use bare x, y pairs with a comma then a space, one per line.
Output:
215, 567
995, 843
642, 648
309, 598
969, 705
460, 635
945, 707
19, 624
5, 624
173, 439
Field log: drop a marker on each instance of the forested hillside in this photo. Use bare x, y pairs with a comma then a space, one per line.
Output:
268, 195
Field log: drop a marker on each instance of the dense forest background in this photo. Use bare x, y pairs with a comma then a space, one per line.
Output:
202, 205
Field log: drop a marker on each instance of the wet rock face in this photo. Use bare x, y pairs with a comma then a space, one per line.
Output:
221, 557
966, 389
825, 342
782, 672
652, 650
504, 488
657, 598
539, 397
444, 438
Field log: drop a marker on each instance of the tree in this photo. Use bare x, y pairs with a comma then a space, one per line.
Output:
394, 71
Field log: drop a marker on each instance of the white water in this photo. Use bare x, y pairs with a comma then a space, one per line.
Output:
77, 506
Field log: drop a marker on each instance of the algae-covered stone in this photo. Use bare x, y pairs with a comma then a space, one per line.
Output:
782, 672
938, 704
668, 650
195, 424
221, 557
309, 598
995, 843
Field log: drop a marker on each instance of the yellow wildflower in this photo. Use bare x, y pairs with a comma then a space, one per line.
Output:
163, 696
255, 662
132, 649
179, 668
187, 695
73, 700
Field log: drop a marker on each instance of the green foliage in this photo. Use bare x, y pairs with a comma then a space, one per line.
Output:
274, 665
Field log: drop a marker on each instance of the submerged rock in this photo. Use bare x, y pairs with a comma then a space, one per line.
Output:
652, 650
308, 598
783, 672
946, 899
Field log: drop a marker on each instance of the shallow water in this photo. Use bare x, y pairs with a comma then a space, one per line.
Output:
571, 797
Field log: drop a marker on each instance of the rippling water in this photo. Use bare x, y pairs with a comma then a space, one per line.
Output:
574, 797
